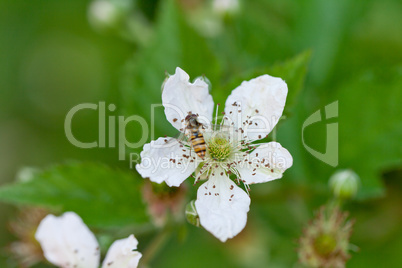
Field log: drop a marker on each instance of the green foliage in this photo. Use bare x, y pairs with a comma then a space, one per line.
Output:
208, 253
370, 112
293, 71
101, 195
352, 54
175, 44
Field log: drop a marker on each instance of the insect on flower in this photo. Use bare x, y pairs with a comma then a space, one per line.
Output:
194, 131
215, 151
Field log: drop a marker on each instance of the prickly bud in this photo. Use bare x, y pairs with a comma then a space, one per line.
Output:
163, 200
26, 250
325, 241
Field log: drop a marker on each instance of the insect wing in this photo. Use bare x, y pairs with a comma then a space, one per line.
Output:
180, 137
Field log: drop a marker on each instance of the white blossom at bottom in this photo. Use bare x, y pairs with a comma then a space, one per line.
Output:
122, 254
68, 243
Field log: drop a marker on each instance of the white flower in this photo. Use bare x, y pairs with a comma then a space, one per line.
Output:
103, 14
223, 6
252, 111
122, 254
67, 242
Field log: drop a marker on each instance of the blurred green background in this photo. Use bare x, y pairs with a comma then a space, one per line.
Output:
57, 54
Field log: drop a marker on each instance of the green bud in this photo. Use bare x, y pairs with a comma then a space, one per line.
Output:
344, 184
191, 214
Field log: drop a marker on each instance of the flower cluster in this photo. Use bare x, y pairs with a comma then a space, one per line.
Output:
67, 242
231, 152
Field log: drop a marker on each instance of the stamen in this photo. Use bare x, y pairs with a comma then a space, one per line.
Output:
216, 115
207, 168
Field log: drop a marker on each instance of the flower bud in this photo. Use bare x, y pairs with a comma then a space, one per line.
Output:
163, 200
191, 214
26, 174
344, 184
225, 6
104, 15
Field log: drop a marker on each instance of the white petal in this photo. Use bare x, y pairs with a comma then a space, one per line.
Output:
268, 162
180, 97
67, 242
222, 206
167, 160
122, 254
260, 102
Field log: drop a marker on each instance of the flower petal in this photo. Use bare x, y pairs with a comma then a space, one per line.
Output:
180, 97
256, 106
122, 253
167, 160
67, 242
222, 206
266, 163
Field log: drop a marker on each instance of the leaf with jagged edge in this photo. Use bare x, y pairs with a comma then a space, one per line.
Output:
293, 71
101, 195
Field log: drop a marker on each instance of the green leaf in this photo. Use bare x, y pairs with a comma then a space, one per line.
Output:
102, 196
370, 127
175, 44
369, 131
256, 36
293, 71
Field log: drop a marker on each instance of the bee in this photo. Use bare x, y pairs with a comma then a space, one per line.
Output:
193, 130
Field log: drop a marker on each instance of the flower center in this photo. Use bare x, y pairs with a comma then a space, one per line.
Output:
219, 148
325, 244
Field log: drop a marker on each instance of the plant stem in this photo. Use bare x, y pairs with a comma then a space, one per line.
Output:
155, 245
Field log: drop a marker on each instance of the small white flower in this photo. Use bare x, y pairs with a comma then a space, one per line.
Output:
103, 14
122, 254
223, 6
67, 242
252, 111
